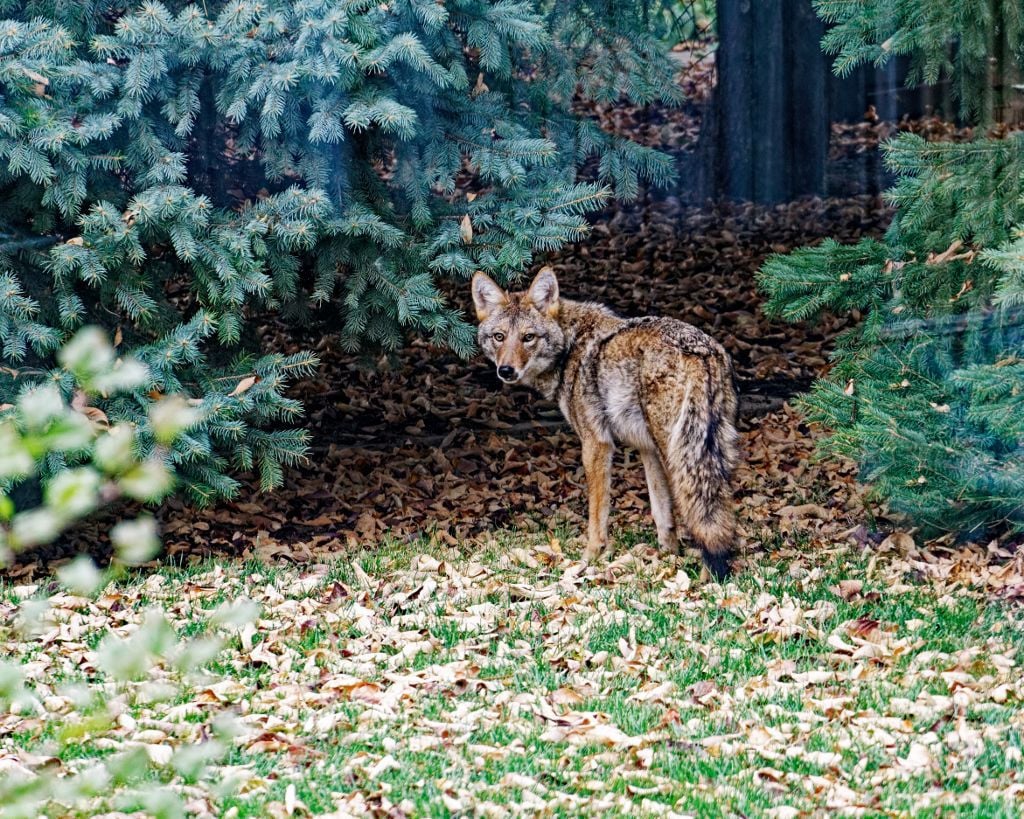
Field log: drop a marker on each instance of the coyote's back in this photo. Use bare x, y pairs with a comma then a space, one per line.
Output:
655, 384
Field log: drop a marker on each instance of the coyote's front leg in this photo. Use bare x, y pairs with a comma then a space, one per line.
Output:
597, 463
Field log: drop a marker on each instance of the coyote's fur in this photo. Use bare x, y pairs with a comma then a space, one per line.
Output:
655, 384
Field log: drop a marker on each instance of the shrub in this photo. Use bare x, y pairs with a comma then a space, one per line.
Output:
170, 170
93, 462
927, 391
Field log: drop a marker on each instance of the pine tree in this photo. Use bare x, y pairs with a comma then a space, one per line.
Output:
927, 391
169, 169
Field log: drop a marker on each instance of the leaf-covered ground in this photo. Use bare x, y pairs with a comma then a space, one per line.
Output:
427, 443
428, 643
417, 680
431, 443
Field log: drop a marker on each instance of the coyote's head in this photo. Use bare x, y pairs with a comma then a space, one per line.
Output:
519, 331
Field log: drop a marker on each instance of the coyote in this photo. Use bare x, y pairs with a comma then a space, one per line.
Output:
656, 384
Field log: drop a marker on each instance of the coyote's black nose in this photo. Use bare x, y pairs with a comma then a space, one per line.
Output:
506, 373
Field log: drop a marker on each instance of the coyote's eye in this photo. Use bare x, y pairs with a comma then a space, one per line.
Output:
528, 337
499, 337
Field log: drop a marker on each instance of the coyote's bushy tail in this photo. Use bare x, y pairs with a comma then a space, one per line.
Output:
702, 451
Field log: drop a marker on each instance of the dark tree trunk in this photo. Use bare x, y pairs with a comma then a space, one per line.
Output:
766, 136
885, 90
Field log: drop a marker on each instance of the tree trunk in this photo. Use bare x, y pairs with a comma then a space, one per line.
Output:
766, 136
884, 88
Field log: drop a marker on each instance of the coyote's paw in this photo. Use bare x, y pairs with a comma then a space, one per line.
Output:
593, 551
669, 543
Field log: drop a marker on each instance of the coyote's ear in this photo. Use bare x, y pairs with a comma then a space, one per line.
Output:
487, 296
543, 292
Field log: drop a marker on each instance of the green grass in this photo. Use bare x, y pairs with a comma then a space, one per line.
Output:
612, 695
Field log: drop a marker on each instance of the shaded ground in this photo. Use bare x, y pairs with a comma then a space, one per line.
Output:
430, 444
435, 444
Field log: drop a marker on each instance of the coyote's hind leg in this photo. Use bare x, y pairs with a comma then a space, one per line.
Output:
661, 501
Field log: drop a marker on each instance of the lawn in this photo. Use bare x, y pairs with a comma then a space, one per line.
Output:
505, 677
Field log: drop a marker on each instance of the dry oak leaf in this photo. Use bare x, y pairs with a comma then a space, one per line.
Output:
244, 385
566, 696
918, 759
221, 692
271, 743
848, 589
599, 734
901, 542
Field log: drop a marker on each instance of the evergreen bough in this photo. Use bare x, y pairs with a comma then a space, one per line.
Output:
927, 391
168, 169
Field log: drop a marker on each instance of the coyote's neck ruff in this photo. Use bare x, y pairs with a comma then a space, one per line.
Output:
656, 384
